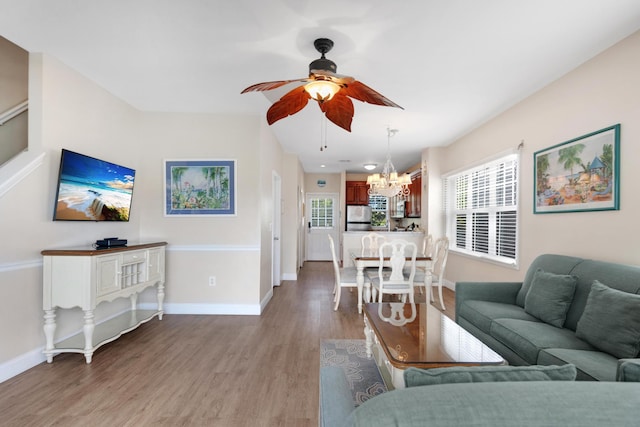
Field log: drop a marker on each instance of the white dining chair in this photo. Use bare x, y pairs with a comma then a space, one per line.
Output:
345, 277
435, 276
370, 244
427, 250
427, 245
372, 241
394, 280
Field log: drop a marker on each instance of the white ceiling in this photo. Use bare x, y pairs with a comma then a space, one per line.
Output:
451, 64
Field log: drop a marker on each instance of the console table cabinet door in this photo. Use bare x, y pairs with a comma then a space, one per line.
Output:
108, 274
155, 268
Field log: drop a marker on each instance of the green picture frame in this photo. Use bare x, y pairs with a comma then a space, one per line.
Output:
579, 175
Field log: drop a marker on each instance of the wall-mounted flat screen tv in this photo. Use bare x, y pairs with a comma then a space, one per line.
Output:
90, 189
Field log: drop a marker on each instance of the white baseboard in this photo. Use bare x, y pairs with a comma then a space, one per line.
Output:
450, 285
21, 363
265, 300
230, 309
290, 276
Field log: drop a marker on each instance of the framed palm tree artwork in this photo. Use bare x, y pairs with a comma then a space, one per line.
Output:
582, 174
200, 187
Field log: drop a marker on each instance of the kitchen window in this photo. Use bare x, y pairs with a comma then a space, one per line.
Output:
379, 211
481, 209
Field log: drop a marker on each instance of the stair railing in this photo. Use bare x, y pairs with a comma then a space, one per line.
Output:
13, 112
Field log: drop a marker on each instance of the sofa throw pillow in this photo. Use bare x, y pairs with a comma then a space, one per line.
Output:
415, 377
550, 296
611, 321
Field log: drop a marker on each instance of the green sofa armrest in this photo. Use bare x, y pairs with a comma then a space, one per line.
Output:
504, 292
628, 370
336, 401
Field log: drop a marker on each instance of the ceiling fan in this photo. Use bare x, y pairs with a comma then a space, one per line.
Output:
332, 91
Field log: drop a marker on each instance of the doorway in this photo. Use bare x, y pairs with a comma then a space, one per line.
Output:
322, 219
275, 230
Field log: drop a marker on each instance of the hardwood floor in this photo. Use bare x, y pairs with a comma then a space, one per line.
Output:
198, 370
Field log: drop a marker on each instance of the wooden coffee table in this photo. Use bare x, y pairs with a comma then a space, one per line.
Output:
420, 336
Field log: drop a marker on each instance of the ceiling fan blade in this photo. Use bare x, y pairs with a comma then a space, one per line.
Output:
292, 102
259, 87
362, 92
339, 110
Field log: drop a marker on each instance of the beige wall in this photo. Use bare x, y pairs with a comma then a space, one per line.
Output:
62, 105
69, 111
205, 246
600, 93
332, 182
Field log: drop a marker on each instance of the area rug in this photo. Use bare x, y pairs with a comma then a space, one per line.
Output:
362, 373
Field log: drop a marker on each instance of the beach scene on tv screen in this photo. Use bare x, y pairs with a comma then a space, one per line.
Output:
93, 190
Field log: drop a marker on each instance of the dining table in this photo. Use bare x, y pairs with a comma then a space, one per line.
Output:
365, 258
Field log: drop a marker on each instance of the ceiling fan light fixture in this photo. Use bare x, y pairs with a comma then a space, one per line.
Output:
322, 85
321, 90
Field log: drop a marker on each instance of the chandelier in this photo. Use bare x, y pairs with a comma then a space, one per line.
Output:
388, 183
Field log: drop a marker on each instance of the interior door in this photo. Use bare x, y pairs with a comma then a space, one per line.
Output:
322, 219
276, 248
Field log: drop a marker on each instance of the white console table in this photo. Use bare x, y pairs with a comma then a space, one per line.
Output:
86, 277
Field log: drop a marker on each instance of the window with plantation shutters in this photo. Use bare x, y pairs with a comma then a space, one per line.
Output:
481, 205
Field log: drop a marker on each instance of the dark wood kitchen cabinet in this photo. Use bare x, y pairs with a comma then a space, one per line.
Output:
357, 193
414, 201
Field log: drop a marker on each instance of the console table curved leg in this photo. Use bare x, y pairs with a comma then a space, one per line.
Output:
160, 299
49, 331
87, 329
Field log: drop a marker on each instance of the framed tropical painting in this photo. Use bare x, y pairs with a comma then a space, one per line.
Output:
582, 174
200, 187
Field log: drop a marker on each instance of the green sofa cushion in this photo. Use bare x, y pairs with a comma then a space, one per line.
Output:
550, 296
624, 278
504, 404
558, 264
611, 321
414, 377
628, 370
527, 338
482, 313
592, 365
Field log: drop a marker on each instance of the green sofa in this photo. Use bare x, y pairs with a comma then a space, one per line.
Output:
496, 404
566, 310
